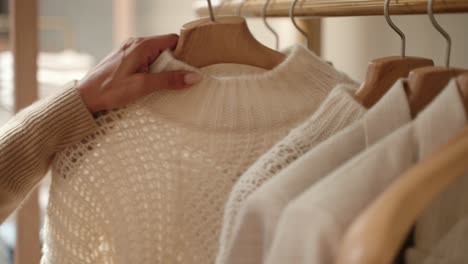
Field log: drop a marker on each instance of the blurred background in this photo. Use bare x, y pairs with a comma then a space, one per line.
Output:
75, 35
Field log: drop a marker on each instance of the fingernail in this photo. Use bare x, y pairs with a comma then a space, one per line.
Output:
192, 78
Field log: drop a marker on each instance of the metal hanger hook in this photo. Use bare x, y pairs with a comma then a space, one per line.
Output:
292, 16
430, 12
264, 10
395, 28
210, 8
239, 9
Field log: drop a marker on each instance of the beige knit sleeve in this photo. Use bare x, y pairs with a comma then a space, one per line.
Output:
29, 140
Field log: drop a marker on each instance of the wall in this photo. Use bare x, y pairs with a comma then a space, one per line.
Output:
347, 42
91, 20
351, 42
163, 17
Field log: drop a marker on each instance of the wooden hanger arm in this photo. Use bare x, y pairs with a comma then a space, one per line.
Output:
383, 73
376, 235
226, 40
424, 84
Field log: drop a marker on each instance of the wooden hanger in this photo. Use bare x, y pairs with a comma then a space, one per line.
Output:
462, 82
384, 72
223, 40
377, 234
426, 83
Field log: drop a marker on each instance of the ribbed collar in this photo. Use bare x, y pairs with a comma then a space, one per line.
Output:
232, 96
390, 113
442, 119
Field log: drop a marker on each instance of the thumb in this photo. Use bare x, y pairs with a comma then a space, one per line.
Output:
170, 80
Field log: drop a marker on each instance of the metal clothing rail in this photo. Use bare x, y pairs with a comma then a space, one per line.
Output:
332, 8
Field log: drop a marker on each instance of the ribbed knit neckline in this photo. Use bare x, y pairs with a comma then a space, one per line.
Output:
232, 96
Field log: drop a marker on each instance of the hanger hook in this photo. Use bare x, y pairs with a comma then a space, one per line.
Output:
292, 16
265, 6
430, 12
395, 28
239, 9
210, 8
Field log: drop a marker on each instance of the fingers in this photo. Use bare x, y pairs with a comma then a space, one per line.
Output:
151, 47
140, 85
163, 42
117, 93
148, 83
142, 52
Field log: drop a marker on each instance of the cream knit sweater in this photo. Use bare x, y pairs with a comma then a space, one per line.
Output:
149, 185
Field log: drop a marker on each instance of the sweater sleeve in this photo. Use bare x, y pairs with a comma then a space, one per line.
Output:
29, 140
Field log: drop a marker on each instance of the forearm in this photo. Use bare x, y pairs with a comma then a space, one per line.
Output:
30, 139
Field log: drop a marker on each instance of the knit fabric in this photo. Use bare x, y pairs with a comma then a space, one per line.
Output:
29, 140
339, 110
149, 185
311, 227
256, 223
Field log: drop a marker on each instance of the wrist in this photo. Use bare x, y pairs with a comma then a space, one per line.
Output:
87, 93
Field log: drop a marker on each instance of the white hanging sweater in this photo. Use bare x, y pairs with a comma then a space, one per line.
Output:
149, 185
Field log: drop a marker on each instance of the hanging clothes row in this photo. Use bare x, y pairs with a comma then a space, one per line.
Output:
302, 214
274, 157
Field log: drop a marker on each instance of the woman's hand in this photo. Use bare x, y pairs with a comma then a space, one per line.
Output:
123, 76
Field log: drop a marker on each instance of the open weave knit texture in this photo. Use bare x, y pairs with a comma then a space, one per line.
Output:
149, 186
339, 110
29, 140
